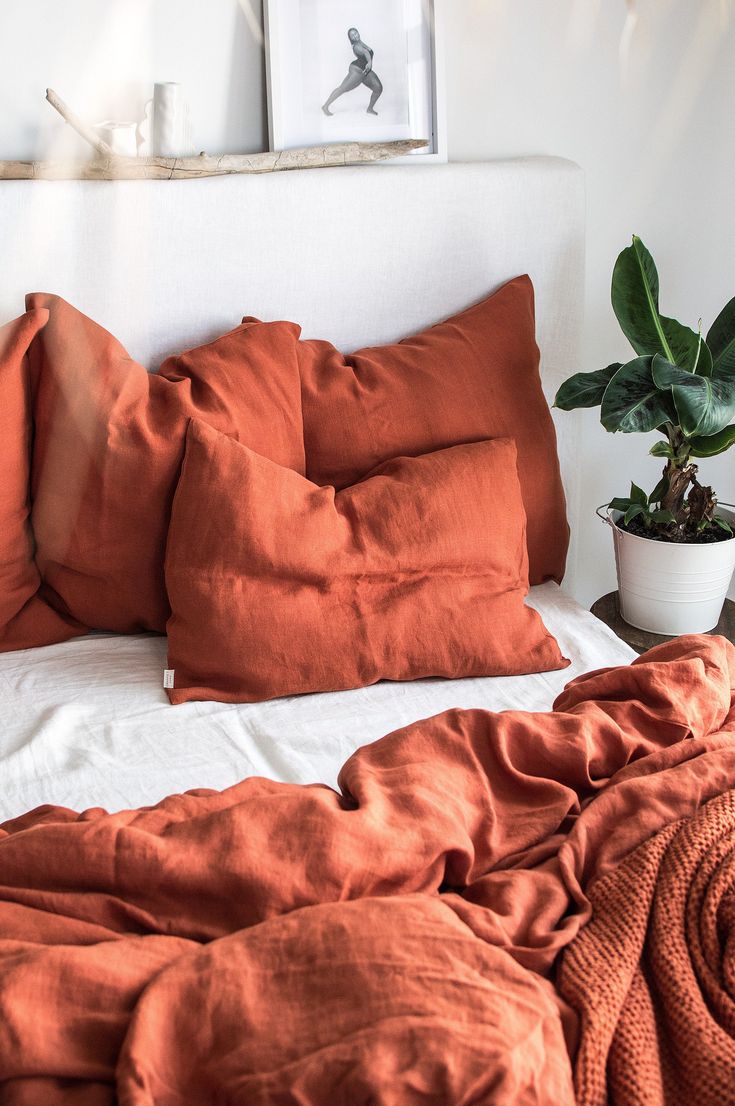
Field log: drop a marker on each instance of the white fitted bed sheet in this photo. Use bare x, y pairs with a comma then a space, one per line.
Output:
87, 723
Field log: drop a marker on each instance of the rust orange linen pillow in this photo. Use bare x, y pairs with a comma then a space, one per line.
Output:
280, 587
473, 377
25, 619
109, 440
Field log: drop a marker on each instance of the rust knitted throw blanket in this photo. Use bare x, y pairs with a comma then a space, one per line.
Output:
653, 974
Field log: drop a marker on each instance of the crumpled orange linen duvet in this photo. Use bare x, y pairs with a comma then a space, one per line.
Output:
389, 944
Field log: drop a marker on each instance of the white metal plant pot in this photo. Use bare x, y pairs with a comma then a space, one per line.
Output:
672, 589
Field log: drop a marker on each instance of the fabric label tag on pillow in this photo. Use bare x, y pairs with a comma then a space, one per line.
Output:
168, 677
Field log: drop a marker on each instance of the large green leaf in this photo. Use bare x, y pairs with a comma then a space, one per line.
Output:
632, 401
585, 389
704, 405
714, 444
635, 290
721, 340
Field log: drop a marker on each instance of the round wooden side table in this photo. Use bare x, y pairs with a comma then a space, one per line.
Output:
607, 610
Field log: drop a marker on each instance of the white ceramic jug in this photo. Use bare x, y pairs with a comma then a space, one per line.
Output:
122, 138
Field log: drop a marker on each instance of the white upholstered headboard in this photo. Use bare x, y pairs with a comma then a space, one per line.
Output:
359, 256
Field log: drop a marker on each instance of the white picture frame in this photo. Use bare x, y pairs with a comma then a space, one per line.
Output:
311, 53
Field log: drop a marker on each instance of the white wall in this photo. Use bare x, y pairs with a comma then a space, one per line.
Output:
657, 142
102, 58
655, 136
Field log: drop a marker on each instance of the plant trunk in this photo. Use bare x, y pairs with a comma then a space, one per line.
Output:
679, 475
679, 479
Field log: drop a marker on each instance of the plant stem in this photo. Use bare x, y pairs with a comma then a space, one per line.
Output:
679, 475
679, 479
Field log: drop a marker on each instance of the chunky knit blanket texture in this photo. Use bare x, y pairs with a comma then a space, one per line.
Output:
652, 975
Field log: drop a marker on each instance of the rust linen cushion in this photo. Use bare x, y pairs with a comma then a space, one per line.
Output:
25, 619
109, 440
473, 377
280, 587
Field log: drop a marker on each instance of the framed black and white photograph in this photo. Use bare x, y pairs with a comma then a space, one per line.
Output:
355, 71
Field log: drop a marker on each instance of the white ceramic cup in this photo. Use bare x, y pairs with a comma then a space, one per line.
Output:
120, 137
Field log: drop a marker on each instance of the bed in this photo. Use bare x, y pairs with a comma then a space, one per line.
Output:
167, 267
87, 722
206, 928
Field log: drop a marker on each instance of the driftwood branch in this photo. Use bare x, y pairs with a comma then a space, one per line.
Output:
191, 168
110, 166
83, 129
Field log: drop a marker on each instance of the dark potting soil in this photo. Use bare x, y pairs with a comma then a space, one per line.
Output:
711, 534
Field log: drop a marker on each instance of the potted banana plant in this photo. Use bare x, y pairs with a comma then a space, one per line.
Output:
674, 546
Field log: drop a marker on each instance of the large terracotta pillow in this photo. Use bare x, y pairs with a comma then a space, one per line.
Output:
109, 440
25, 619
279, 587
473, 377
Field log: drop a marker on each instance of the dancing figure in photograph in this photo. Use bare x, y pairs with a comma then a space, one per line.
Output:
360, 72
